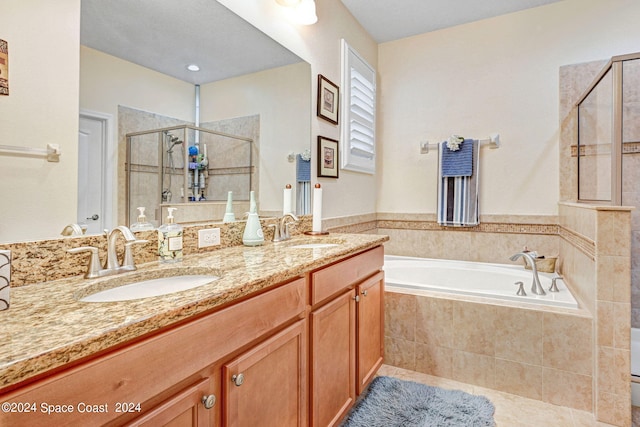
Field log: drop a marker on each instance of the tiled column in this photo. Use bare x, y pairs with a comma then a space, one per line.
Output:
613, 306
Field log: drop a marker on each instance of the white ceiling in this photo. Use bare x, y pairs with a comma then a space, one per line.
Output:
387, 20
168, 35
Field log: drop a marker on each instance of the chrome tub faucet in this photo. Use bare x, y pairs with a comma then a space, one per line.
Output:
536, 287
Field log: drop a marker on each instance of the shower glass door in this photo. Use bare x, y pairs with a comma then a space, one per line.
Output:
595, 141
631, 135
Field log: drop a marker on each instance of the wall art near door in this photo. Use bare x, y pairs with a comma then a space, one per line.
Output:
4, 67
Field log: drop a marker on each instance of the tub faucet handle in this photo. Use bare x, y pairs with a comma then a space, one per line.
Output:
520, 291
554, 287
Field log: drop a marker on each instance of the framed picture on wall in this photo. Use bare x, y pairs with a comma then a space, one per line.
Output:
4, 68
327, 157
328, 99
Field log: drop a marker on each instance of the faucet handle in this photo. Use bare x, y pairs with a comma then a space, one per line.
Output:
284, 225
277, 235
520, 291
93, 267
128, 262
554, 287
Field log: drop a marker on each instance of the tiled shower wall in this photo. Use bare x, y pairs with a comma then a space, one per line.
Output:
605, 262
574, 80
595, 247
631, 173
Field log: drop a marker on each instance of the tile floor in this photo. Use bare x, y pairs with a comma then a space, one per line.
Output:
511, 410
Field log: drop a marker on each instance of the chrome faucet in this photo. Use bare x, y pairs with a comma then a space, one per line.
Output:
111, 266
281, 227
536, 287
73, 230
112, 257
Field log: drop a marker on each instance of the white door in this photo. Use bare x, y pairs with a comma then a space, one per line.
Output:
91, 175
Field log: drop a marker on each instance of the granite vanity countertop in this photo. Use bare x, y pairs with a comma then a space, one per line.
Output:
47, 326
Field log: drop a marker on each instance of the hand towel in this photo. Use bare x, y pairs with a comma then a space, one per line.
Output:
303, 186
459, 162
303, 169
458, 196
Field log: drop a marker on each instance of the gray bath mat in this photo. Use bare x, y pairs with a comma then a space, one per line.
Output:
390, 402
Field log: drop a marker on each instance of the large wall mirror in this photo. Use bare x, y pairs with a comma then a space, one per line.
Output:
134, 77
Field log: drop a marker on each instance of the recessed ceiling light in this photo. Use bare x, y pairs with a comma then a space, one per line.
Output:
193, 67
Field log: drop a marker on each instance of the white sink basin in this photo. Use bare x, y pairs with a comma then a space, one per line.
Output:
314, 245
150, 288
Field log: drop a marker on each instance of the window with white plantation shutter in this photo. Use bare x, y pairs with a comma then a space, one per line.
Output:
358, 112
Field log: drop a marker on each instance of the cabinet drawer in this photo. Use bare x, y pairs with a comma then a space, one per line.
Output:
146, 369
330, 280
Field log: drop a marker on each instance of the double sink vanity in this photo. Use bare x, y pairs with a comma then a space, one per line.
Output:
285, 334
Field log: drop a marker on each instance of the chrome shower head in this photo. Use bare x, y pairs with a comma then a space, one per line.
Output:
174, 140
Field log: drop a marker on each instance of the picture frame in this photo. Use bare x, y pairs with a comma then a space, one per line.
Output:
4, 67
328, 157
328, 100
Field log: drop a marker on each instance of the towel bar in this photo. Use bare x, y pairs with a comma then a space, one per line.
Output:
492, 142
52, 152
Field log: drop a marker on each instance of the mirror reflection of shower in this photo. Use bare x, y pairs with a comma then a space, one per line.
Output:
170, 141
182, 164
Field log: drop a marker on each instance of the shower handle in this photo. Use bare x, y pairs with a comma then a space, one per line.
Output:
94, 217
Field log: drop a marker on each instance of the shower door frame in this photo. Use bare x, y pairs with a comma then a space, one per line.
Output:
185, 187
615, 65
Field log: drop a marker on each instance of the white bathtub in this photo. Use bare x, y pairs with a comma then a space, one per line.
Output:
473, 278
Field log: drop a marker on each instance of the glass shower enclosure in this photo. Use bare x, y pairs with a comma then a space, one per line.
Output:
188, 167
608, 148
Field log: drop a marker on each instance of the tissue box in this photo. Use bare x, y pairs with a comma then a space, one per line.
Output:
5, 278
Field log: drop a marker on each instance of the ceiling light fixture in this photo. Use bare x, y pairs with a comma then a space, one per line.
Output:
303, 11
288, 3
193, 67
306, 12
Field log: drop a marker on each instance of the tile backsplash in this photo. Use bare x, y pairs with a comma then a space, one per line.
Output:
45, 260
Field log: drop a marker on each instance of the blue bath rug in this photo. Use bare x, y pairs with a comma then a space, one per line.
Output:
390, 402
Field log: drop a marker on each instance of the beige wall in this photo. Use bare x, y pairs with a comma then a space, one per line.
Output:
281, 96
319, 45
496, 75
107, 81
42, 108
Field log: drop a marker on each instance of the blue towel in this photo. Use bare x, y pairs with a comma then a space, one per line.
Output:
458, 163
458, 201
303, 169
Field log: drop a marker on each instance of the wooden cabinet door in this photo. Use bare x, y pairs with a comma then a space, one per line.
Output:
333, 353
192, 407
370, 335
266, 385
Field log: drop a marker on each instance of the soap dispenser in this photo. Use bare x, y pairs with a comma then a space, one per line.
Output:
170, 240
228, 214
253, 235
142, 224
